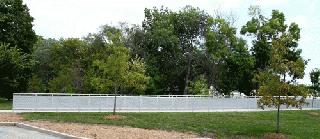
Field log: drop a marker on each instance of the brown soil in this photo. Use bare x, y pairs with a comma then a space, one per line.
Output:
102, 131
314, 113
275, 136
98, 131
114, 117
10, 117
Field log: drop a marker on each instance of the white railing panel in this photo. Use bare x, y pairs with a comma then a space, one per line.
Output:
96, 103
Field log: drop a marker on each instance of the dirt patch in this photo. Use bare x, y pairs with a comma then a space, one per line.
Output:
114, 117
10, 117
210, 135
98, 131
275, 136
314, 113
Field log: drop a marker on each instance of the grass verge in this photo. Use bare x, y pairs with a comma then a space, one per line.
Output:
5, 104
294, 124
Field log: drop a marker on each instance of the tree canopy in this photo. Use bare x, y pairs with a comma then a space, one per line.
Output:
172, 52
16, 39
315, 80
13, 63
16, 25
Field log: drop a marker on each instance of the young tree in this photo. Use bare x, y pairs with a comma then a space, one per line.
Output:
111, 71
112, 68
116, 71
315, 80
277, 83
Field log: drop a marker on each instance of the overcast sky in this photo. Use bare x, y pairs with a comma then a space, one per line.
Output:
77, 18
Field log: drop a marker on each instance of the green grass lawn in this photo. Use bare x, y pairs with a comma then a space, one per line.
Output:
294, 124
5, 104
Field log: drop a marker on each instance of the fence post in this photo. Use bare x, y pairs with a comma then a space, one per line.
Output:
208, 103
158, 103
192, 103
172, 102
102, 103
140, 103
122, 103
89, 103
36, 101
188, 103
13, 102
52, 106
77, 102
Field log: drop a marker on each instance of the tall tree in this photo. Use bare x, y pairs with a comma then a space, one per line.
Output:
174, 38
16, 25
113, 69
189, 26
117, 72
232, 63
163, 54
16, 32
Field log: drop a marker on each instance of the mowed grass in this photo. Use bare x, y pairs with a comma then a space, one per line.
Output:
5, 104
294, 124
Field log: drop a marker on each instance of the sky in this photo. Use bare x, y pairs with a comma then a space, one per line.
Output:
76, 18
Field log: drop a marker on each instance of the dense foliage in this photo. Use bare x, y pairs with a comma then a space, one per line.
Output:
181, 52
172, 52
13, 63
16, 25
315, 80
16, 40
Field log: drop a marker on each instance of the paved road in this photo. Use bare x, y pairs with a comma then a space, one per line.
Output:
8, 132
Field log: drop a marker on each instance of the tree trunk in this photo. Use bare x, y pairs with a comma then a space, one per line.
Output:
278, 112
313, 95
115, 99
278, 116
185, 92
312, 101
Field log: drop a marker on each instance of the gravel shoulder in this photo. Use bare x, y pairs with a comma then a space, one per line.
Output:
96, 131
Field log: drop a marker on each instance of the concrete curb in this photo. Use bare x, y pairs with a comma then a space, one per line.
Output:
41, 130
